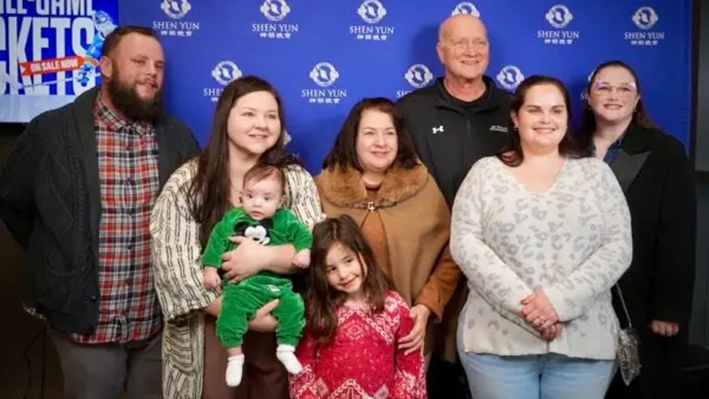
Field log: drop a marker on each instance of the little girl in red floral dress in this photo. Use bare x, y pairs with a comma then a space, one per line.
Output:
354, 320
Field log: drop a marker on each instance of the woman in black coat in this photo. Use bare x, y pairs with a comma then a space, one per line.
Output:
657, 178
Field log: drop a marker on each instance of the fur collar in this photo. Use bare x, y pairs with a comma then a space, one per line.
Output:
345, 187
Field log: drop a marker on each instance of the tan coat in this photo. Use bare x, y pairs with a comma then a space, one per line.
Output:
417, 226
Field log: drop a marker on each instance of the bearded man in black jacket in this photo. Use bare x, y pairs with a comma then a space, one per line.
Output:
76, 193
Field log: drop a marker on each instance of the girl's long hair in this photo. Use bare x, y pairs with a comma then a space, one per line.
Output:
322, 300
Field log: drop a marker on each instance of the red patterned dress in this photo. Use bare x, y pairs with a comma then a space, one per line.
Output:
361, 361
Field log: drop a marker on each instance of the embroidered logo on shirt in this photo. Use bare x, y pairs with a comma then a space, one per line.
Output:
498, 128
437, 129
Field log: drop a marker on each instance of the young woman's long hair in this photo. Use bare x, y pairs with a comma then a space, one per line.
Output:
208, 194
321, 299
585, 133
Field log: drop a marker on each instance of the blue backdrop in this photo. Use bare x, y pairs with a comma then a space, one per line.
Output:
325, 55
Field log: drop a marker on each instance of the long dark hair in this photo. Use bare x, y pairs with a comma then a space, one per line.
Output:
208, 194
587, 129
322, 300
344, 153
511, 153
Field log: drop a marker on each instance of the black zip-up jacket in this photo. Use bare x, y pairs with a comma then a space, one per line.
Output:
50, 201
451, 135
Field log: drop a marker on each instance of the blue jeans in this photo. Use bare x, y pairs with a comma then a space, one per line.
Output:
548, 376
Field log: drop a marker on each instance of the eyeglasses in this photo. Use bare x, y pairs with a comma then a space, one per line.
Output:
623, 89
465, 43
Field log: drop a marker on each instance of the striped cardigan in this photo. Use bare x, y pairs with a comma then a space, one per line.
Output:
176, 255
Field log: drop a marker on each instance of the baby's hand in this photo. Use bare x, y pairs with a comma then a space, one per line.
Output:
211, 278
302, 259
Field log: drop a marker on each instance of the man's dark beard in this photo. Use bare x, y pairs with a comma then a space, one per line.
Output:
127, 101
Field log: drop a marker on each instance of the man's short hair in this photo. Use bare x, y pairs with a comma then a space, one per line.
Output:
114, 38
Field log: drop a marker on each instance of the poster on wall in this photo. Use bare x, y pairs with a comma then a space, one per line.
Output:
49, 51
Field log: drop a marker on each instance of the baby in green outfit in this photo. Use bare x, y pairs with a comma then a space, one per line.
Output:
261, 219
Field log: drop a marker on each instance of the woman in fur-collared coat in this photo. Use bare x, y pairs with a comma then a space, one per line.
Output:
373, 174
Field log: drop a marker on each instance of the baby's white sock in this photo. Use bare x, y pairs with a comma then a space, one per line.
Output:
234, 370
286, 354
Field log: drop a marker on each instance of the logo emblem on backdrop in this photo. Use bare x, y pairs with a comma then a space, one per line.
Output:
225, 72
559, 16
645, 18
418, 76
324, 74
275, 10
372, 11
466, 7
510, 76
176, 9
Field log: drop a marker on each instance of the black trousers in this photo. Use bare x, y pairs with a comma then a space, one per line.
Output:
660, 374
446, 380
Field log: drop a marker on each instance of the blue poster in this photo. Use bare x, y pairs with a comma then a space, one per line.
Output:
325, 55
49, 51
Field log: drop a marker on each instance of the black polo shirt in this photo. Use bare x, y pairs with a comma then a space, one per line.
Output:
450, 135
